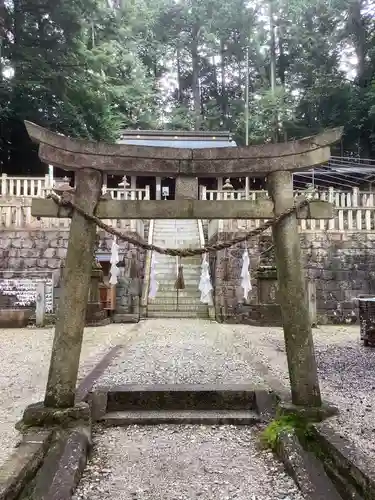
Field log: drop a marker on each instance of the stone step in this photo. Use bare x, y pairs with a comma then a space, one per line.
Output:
181, 307
172, 301
167, 259
177, 314
213, 417
189, 281
189, 290
172, 270
181, 397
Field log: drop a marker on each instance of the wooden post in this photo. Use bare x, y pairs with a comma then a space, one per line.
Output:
40, 308
66, 349
296, 321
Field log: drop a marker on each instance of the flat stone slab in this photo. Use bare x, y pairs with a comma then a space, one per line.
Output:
197, 417
181, 397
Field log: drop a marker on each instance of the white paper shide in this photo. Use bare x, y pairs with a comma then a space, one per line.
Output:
205, 286
114, 271
154, 285
245, 275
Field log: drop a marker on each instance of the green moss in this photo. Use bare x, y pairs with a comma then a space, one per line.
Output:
283, 423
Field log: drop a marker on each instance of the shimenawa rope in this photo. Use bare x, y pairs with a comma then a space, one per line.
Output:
175, 252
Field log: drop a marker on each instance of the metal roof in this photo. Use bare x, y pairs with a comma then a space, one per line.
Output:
180, 139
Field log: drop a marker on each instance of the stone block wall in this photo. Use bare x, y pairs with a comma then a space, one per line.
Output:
39, 253
342, 266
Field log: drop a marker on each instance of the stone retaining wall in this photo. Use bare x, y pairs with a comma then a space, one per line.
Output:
342, 265
39, 253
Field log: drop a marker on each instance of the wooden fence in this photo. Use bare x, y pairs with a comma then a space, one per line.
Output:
39, 187
354, 210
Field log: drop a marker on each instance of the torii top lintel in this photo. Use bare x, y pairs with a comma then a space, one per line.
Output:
74, 154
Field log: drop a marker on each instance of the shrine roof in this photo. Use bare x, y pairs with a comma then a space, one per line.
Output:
177, 139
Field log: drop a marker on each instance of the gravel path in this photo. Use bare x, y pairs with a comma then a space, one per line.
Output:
183, 463
167, 461
25, 355
346, 373
180, 351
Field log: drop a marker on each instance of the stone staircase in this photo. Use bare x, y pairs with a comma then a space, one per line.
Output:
177, 234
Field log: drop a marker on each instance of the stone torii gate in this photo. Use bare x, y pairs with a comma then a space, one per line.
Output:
90, 160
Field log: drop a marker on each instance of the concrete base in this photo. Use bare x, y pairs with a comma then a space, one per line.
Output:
95, 316
103, 322
125, 318
310, 414
38, 415
15, 318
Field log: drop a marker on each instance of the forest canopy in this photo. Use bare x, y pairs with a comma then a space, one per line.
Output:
101, 66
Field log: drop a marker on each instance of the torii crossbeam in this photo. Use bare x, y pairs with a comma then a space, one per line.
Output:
89, 160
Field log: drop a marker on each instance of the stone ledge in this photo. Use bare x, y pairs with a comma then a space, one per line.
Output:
125, 318
350, 467
306, 470
62, 467
23, 463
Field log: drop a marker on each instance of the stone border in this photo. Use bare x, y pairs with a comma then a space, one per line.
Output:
349, 468
23, 463
47, 464
326, 466
305, 469
62, 468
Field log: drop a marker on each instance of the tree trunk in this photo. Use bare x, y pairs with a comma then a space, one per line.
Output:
179, 76
275, 125
2, 34
224, 102
195, 78
357, 29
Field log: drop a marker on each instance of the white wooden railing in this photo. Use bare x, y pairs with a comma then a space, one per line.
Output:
340, 199
354, 210
38, 187
24, 186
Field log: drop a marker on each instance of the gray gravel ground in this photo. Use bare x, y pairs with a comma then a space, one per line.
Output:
346, 372
183, 351
180, 351
183, 463
25, 355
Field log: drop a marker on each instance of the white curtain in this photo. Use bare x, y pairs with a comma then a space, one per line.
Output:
154, 285
245, 274
205, 285
114, 271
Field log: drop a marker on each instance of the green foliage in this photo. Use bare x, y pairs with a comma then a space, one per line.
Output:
101, 66
284, 423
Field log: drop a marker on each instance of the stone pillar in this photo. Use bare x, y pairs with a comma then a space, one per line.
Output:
292, 295
67, 342
186, 188
158, 188
133, 182
247, 183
